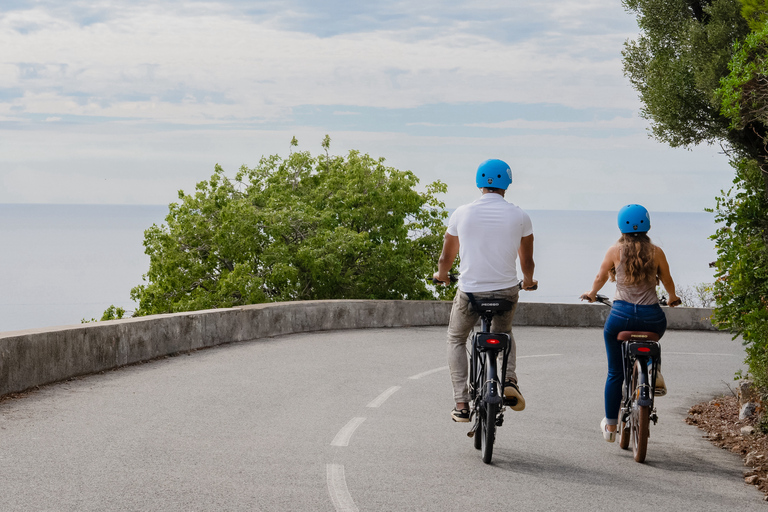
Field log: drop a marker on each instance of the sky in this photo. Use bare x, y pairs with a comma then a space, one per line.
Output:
115, 102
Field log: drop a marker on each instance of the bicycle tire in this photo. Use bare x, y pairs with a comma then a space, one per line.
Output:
623, 428
488, 431
479, 376
624, 435
641, 415
478, 441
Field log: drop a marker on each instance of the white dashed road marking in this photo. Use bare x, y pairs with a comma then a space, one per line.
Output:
429, 372
337, 483
337, 488
342, 438
697, 354
383, 397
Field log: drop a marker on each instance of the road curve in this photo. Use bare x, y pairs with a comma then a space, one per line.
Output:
359, 420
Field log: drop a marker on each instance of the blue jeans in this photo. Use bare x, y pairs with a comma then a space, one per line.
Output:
625, 316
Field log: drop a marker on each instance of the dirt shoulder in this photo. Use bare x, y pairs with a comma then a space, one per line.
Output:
719, 418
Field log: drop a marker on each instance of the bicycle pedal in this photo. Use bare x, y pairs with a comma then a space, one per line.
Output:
499, 421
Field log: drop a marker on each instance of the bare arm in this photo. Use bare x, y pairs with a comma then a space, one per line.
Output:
527, 265
602, 275
447, 257
665, 277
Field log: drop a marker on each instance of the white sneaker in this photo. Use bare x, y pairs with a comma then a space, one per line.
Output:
607, 435
661, 386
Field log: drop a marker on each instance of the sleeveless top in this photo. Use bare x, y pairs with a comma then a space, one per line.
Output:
643, 294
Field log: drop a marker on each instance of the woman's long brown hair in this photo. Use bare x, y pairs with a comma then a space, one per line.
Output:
637, 254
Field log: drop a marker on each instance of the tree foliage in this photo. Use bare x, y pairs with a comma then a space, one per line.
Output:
299, 228
741, 289
700, 68
755, 12
677, 62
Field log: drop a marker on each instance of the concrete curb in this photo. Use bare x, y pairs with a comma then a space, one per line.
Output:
37, 357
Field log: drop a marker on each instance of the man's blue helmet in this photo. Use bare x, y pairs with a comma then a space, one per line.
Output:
494, 173
634, 218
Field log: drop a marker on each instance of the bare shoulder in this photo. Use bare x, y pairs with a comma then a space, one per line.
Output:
613, 255
659, 258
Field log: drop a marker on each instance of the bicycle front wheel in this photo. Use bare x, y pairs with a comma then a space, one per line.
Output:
641, 415
488, 431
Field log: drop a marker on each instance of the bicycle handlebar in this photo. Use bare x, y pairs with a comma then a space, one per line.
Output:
452, 277
663, 301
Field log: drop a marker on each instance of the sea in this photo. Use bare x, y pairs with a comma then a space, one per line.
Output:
62, 264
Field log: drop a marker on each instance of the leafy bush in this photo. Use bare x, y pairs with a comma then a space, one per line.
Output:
304, 227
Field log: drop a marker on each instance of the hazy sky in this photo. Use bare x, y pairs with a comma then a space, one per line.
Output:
106, 101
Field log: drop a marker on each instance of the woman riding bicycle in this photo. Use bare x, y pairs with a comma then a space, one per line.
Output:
637, 266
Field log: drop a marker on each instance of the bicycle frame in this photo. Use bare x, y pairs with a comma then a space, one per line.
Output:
486, 347
485, 385
644, 352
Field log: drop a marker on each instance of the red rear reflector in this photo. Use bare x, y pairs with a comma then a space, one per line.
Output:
492, 341
643, 349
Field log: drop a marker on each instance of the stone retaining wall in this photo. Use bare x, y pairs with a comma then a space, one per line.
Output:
41, 356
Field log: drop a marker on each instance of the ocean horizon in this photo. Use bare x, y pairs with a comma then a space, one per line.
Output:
64, 263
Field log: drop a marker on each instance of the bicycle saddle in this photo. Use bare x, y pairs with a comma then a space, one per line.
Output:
638, 336
492, 305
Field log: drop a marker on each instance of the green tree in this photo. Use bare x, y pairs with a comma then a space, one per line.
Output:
700, 69
299, 228
677, 62
755, 12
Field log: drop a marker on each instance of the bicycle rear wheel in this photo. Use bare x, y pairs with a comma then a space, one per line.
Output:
639, 424
624, 435
488, 431
624, 421
478, 437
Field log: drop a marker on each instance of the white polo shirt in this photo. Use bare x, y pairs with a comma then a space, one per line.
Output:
489, 232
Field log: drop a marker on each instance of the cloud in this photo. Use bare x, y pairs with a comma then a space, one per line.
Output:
157, 53
151, 94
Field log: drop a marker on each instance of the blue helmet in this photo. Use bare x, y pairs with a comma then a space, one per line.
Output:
634, 218
494, 173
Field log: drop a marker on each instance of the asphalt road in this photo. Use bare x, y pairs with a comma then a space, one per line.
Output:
359, 420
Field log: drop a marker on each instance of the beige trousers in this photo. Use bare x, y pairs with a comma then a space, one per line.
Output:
459, 327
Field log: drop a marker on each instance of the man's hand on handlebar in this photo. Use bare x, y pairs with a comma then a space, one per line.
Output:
444, 279
529, 284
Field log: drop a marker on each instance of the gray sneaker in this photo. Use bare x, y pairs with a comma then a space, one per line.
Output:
460, 415
513, 397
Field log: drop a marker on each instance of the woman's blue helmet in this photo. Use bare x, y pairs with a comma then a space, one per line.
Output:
494, 173
634, 218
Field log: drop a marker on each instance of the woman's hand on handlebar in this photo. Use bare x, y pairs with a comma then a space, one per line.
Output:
589, 296
674, 300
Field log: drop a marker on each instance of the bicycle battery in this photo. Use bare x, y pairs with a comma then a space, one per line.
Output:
492, 341
647, 348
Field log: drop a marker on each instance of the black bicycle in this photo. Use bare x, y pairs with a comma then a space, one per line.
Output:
641, 353
486, 389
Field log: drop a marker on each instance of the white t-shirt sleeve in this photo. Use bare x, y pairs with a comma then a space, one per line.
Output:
527, 225
453, 229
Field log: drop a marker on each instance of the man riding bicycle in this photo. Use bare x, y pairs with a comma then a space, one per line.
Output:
488, 235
